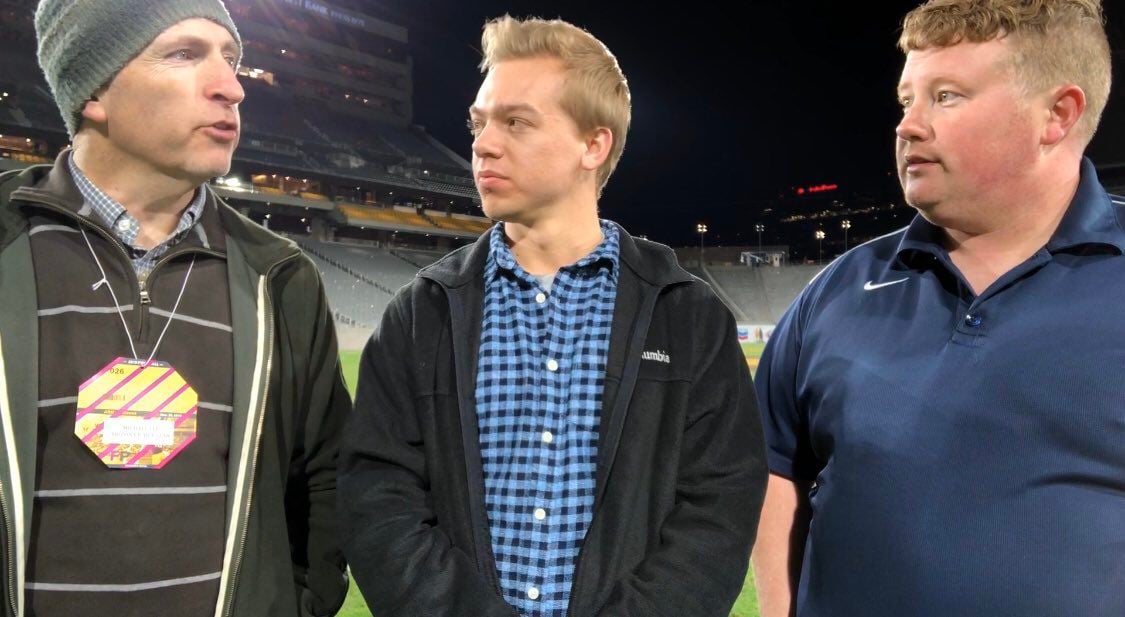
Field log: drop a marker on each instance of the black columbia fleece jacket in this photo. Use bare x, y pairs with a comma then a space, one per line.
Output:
681, 472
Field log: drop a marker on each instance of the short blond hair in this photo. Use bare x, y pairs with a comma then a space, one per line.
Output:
596, 93
1054, 42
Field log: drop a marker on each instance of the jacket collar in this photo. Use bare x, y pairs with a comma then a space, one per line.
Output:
261, 248
652, 262
1090, 221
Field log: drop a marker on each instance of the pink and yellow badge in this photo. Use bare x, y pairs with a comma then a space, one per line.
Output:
134, 414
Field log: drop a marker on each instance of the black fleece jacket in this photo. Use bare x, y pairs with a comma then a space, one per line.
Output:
681, 464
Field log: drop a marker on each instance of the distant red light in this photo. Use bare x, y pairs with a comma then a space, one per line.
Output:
817, 188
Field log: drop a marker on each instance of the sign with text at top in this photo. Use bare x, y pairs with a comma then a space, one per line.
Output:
134, 414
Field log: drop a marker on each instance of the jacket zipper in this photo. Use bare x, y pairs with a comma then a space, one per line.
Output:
143, 300
490, 573
142, 284
12, 582
236, 562
635, 341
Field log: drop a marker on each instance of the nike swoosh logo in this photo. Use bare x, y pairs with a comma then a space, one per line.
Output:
869, 285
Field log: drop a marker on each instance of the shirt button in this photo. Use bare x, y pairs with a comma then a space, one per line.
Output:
540, 514
973, 321
548, 437
533, 593
552, 365
123, 224
540, 297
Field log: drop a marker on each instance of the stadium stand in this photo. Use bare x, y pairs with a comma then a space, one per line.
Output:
464, 191
358, 215
359, 281
272, 158
762, 294
8, 116
416, 258
703, 273
473, 225
270, 111
392, 272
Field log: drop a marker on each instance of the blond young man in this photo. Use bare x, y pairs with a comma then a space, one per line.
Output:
942, 405
556, 420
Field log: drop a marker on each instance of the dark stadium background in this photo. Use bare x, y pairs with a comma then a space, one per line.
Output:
734, 103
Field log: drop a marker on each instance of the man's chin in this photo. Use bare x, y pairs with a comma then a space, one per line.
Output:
209, 170
499, 209
922, 201
936, 213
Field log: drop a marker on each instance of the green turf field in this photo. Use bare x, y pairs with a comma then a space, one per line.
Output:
745, 606
349, 363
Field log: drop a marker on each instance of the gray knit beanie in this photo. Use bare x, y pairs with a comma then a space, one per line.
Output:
83, 44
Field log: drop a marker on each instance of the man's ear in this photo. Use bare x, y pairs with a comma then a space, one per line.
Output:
598, 145
1066, 106
93, 109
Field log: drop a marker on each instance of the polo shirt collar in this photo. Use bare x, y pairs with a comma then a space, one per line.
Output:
922, 238
1091, 219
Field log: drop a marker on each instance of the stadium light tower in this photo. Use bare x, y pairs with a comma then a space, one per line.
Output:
759, 228
819, 245
846, 225
702, 229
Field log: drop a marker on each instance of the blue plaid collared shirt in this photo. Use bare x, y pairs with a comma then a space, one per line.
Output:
127, 228
539, 386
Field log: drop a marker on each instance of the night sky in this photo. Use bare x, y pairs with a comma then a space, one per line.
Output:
731, 105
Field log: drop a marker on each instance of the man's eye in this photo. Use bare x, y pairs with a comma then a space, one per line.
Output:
474, 126
905, 102
182, 54
516, 123
945, 96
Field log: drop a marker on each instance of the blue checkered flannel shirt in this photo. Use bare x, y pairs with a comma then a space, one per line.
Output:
539, 386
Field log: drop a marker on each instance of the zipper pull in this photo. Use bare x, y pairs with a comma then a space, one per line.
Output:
144, 292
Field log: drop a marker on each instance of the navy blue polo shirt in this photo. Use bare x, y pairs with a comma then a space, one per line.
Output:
966, 453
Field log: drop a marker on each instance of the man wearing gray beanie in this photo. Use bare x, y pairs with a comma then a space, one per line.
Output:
170, 392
